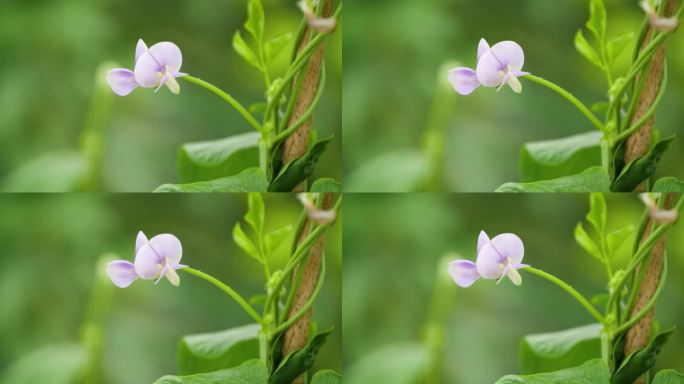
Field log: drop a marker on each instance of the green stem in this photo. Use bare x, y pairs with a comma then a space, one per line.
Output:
236, 296
305, 116
569, 289
287, 324
568, 96
643, 311
225, 96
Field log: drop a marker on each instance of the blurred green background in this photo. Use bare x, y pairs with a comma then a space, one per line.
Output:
50, 247
394, 49
393, 246
51, 50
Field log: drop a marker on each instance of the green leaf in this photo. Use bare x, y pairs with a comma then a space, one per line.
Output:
273, 47
640, 361
640, 169
299, 169
668, 376
587, 243
209, 352
62, 171
594, 179
618, 44
619, 237
546, 352
586, 50
326, 185
249, 180
252, 372
396, 363
597, 19
242, 49
210, 160
592, 372
543, 160
597, 212
54, 364
299, 361
399, 171
245, 243
255, 19
277, 237
326, 377
255, 213
668, 184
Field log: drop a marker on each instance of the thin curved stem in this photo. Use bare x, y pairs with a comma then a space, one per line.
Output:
569, 289
568, 96
226, 97
236, 296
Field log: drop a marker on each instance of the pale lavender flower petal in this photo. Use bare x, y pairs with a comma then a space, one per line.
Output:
168, 55
463, 272
147, 263
490, 262
140, 241
464, 80
509, 53
510, 247
122, 81
148, 71
168, 248
482, 48
121, 272
140, 48
503, 57
482, 240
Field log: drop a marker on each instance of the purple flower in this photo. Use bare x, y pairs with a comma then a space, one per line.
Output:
155, 66
159, 257
496, 66
496, 258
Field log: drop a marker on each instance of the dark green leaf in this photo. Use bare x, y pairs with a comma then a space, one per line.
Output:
244, 242
299, 169
668, 376
242, 49
277, 237
586, 50
249, 180
395, 364
55, 364
326, 377
209, 352
326, 185
594, 179
210, 160
62, 171
547, 352
252, 372
640, 169
255, 213
276, 45
299, 361
550, 159
592, 372
255, 19
586, 242
597, 19
597, 212
640, 361
668, 184
400, 171
618, 44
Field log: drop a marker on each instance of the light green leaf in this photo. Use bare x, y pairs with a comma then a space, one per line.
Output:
546, 352
618, 44
640, 361
594, 179
242, 49
619, 237
592, 372
668, 184
62, 171
252, 372
597, 213
255, 19
210, 160
400, 171
326, 185
209, 352
584, 48
668, 376
245, 243
641, 169
299, 169
587, 243
543, 160
255, 213
299, 361
273, 47
326, 377
277, 237
249, 180
597, 19
395, 363
54, 364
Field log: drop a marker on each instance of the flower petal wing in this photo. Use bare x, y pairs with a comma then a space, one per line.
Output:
140, 241
482, 48
482, 240
168, 55
464, 80
489, 70
463, 272
168, 247
490, 263
147, 262
122, 81
140, 48
147, 70
510, 246
509, 53
121, 272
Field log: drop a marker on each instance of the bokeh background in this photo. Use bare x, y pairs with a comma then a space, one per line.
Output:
50, 248
52, 49
394, 51
395, 244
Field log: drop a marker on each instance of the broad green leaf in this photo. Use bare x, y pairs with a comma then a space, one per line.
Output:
255, 19
668, 184
543, 160
277, 237
396, 364
597, 19
210, 160
594, 179
249, 180
55, 364
640, 169
400, 171
273, 47
619, 237
244, 242
326, 377
640, 361
299, 361
618, 44
326, 185
584, 48
209, 352
668, 376
546, 352
587, 243
592, 372
252, 372
242, 49
597, 212
62, 171
299, 169
255, 213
